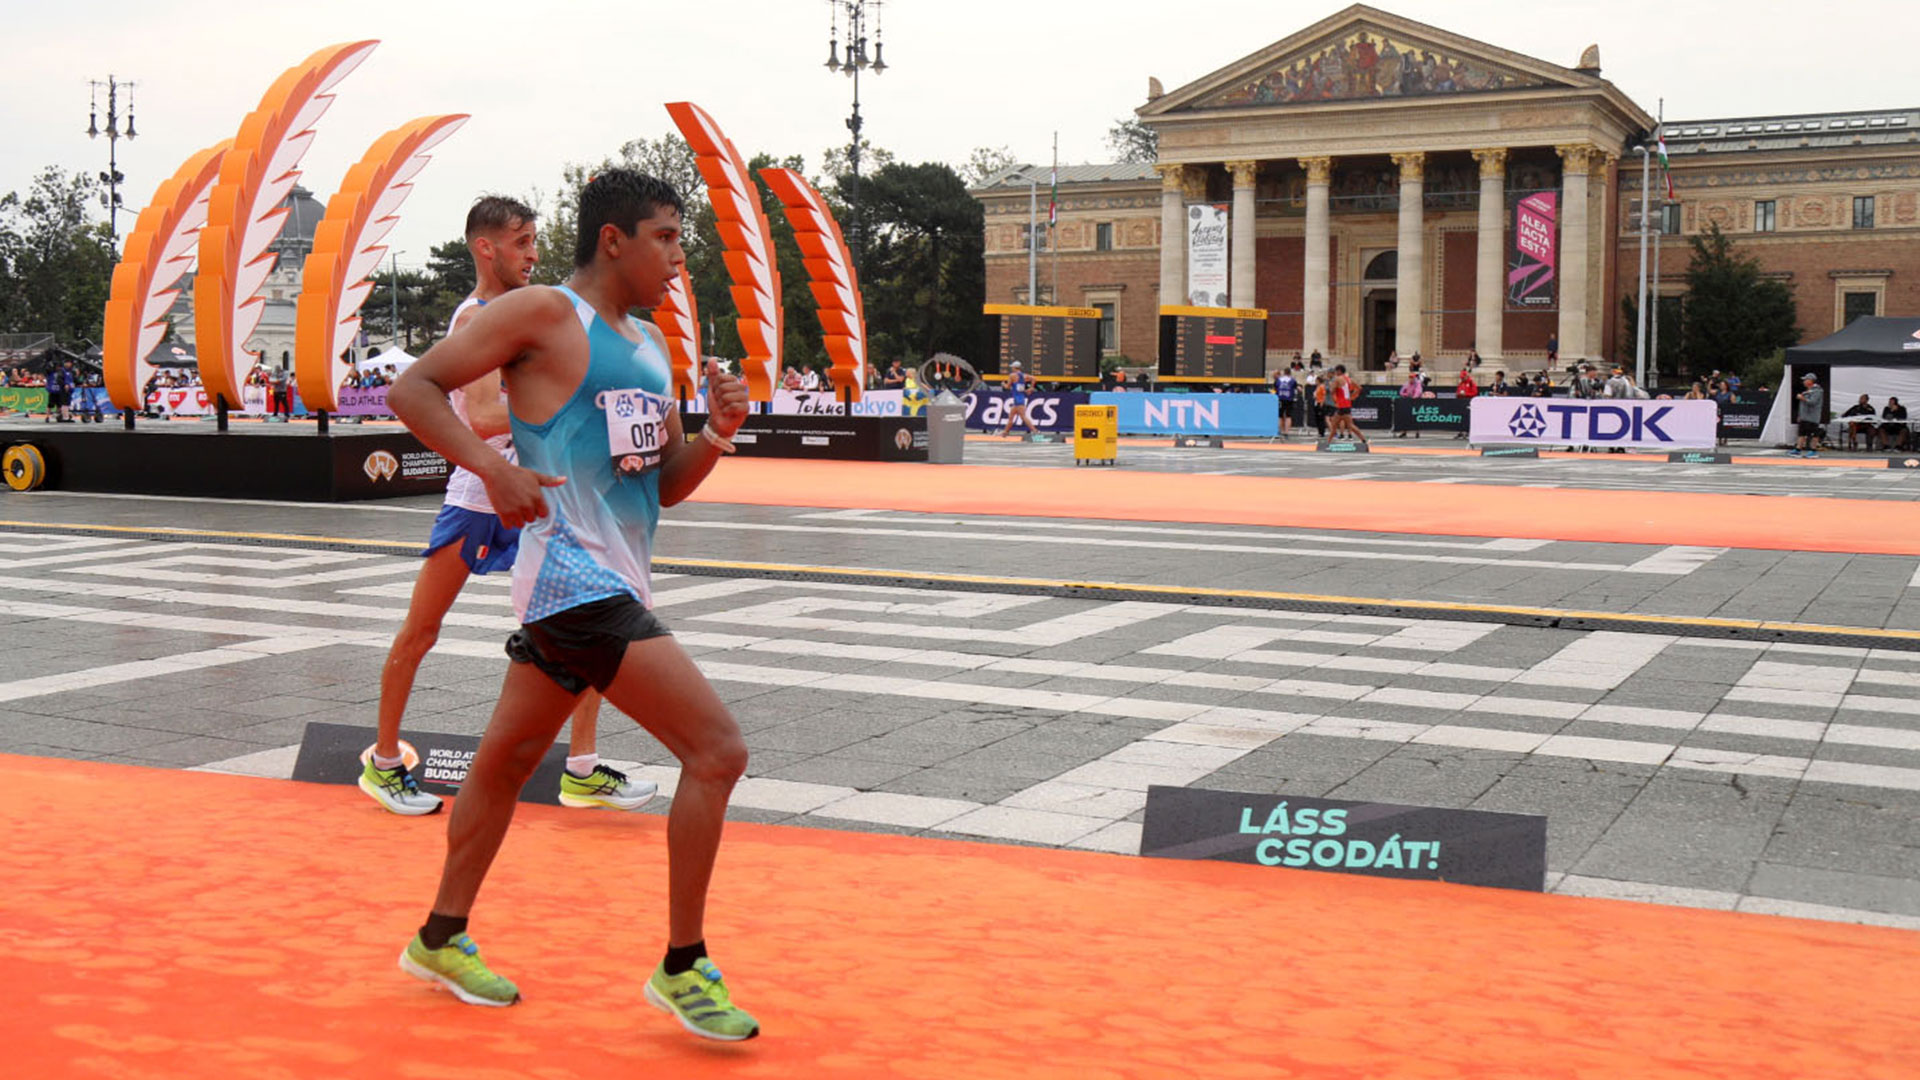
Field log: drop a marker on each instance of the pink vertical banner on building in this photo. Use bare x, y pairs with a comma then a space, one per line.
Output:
1530, 261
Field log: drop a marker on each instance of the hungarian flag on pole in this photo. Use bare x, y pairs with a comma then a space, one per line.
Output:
1053, 197
1665, 174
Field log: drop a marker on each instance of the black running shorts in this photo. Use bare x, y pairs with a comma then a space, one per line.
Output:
1809, 429
583, 646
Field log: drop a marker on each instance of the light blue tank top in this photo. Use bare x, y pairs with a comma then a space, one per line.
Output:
597, 538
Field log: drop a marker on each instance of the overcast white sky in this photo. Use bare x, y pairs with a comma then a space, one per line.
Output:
572, 80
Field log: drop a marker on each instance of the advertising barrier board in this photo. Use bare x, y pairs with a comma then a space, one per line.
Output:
1742, 420
1431, 414
833, 438
1466, 847
330, 754
1600, 422
987, 410
23, 399
1241, 415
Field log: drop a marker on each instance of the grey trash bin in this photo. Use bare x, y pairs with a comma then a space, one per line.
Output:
946, 430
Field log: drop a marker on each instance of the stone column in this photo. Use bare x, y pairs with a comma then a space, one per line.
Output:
1410, 290
1173, 236
1575, 161
1490, 285
1240, 274
1313, 307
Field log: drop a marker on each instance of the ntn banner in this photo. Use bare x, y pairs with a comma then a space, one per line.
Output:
1248, 415
1609, 422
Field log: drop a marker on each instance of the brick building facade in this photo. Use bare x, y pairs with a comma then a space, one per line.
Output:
1372, 166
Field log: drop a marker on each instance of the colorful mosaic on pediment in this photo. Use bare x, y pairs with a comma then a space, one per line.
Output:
1368, 64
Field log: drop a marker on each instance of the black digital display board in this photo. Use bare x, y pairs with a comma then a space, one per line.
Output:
1057, 344
1213, 344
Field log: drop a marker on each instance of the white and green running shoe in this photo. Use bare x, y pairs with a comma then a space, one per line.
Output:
700, 1001
605, 786
458, 967
396, 790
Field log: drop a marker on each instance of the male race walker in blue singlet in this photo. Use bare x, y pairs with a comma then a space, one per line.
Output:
1017, 401
468, 538
601, 450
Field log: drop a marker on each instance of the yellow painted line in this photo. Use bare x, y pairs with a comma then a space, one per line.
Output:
216, 534
1438, 607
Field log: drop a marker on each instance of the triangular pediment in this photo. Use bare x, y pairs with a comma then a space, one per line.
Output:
1364, 54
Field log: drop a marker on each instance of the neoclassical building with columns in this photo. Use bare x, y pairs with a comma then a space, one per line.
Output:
1372, 166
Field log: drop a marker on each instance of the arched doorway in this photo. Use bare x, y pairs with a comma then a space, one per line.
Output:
1378, 316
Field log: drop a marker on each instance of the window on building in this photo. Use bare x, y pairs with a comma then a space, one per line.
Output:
1108, 342
1027, 235
1670, 219
1863, 211
1856, 305
1103, 236
1763, 216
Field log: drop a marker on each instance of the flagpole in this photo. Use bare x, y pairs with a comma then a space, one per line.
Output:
1660, 140
1640, 307
1053, 217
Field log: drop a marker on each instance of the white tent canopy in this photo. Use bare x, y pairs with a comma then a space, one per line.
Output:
395, 356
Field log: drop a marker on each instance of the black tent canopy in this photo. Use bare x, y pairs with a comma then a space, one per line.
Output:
1878, 340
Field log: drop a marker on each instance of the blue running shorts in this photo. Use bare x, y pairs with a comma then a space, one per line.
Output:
485, 544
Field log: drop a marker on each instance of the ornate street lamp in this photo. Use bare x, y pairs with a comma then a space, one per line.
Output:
854, 16
112, 178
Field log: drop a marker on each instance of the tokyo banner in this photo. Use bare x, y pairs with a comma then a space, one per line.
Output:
1207, 255
1530, 259
1641, 425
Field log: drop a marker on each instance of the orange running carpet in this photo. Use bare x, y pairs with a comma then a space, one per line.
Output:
197, 925
1865, 526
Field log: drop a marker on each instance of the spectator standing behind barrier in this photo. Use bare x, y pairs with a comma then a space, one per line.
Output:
1412, 389
895, 378
279, 401
1894, 435
1812, 402
1466, 391
1284, 389
1500, 387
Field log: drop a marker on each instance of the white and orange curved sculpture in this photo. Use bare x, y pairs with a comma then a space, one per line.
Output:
831, 276
678, 318
244, 212
748, 241
347, 247
161, 249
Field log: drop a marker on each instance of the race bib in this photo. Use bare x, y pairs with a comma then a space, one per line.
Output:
636, 429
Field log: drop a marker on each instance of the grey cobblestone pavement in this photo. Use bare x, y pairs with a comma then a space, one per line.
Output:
1765, 777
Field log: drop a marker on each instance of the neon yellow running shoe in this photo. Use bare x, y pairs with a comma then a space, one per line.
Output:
700, 1001
605, 786
458, 967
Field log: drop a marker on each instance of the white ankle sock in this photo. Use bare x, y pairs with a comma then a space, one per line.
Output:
582, 765
381, 761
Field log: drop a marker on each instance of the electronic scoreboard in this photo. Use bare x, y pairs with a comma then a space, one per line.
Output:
1053, 344
1213, 344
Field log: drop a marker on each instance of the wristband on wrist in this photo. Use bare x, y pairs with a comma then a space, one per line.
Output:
723, 445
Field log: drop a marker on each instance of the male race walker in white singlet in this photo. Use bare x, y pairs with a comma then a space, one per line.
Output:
469, 538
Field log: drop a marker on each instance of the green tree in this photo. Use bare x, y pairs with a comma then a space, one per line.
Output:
56, 259
1735, 316
1131, 140
450, 266
984, 162
924, 273
1672, 359
423, 316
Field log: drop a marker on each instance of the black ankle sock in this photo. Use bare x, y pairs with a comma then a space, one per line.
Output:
440, 928
680, 958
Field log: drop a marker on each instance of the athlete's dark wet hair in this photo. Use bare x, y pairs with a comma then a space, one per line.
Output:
622, 198
491, 213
